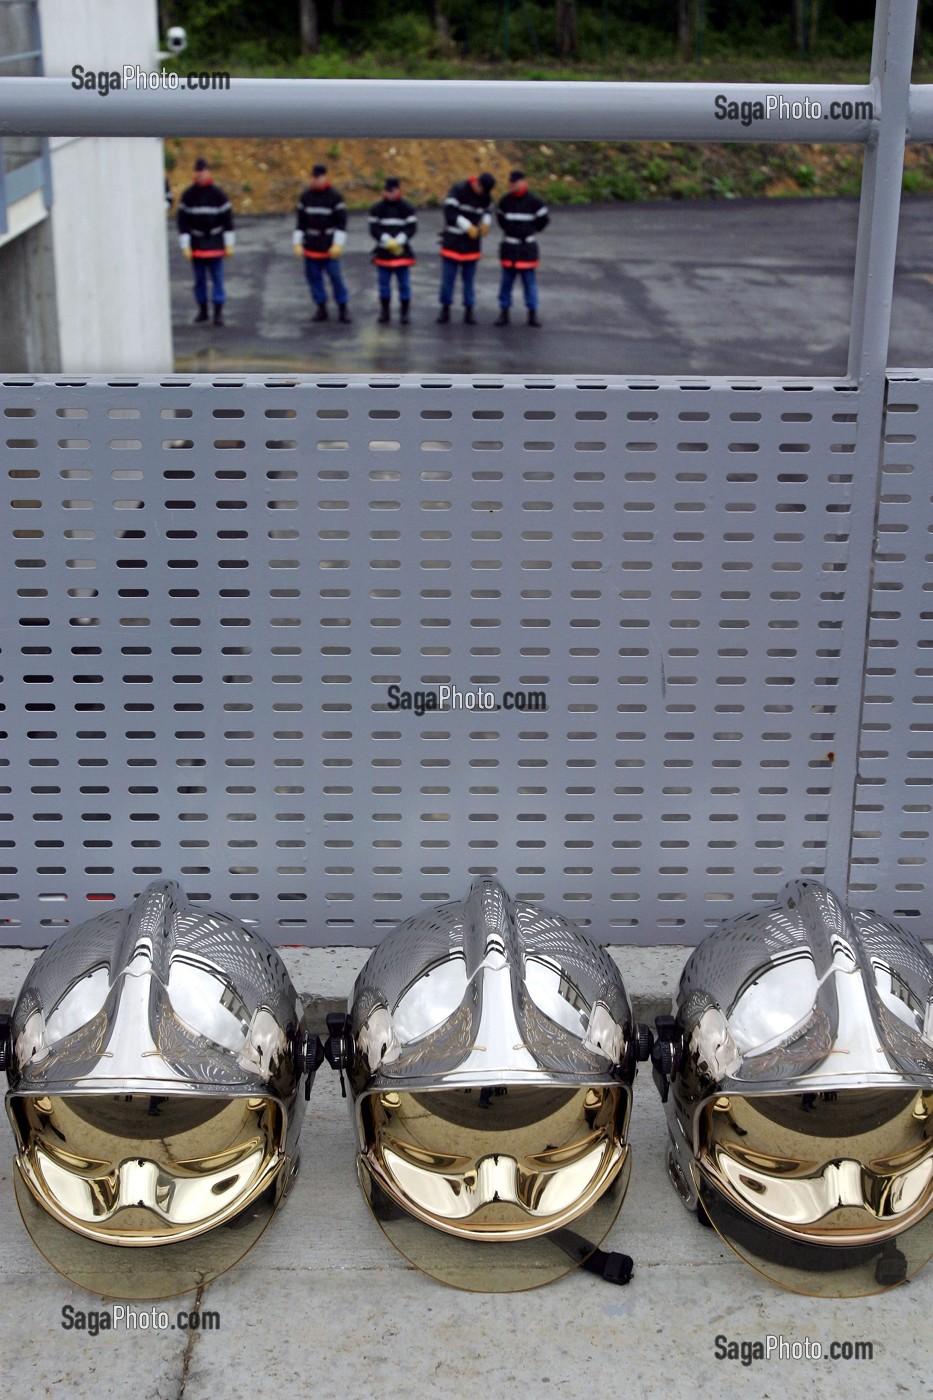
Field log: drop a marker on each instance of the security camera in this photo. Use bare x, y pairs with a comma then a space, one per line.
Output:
177, 39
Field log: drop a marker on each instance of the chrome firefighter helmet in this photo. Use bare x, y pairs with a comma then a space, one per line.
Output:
800, 1104
154, 1064
491, 1065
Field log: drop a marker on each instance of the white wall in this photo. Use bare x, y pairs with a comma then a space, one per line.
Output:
108, 211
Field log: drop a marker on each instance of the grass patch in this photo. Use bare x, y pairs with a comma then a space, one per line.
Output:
595, 172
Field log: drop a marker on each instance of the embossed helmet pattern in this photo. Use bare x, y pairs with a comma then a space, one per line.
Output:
154, 1095
801, 1105
491, 1090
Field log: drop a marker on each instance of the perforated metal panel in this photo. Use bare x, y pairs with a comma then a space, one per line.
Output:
214, 585
891, 848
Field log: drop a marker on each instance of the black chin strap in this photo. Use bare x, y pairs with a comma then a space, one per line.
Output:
614, 1268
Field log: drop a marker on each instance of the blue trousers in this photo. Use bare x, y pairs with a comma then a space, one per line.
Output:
449, 268
385, 282
529, 286
314, 271
201, 268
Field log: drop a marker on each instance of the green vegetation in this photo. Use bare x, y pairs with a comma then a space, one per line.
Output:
591, 172
607, 38
778, 41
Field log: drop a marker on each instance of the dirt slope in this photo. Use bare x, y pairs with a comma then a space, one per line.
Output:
265, 176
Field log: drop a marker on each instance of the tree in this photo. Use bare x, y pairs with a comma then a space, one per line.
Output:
439, 19
565, 17
684, 16
806, 20
307, 21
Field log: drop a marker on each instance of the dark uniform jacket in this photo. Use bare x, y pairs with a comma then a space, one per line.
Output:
463, 205
205, 213
521, 217
320, 214
393, 217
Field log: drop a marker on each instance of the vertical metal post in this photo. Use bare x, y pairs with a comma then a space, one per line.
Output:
880, 205
44, 153
46, 159
37, 38
872, 298
4, 222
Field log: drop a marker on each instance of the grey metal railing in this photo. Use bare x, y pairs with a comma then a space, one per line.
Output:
845, 736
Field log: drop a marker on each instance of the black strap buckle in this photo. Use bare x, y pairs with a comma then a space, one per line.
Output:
666, 1053
614, 1267
309, 1056
338, 1047
6, 1041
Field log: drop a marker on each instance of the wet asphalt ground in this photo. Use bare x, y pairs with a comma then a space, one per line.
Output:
732, 288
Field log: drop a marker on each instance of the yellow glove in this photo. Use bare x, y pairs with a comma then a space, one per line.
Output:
334, 251
228, 252
297, 250
187, 252
473, 231
394, 247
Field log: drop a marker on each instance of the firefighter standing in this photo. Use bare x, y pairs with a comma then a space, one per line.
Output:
206, 235
393, 223
466, 219
522, 216
319, 237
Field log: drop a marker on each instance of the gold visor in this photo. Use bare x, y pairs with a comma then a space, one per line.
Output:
509, 1165
196, 1176
497, 1163
485, 1264
824, 1193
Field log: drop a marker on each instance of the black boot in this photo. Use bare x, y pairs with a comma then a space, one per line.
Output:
218, 315
503, 317
202, 313
384, 315
321, 312
443, 316
533, 319
343, 314
404, 307
468, 318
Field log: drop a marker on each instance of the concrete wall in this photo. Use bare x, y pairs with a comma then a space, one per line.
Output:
28, 329
108, 219
28, 322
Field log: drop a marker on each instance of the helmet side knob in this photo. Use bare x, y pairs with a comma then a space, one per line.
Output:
309, 1056
666, 1053
338, 1047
